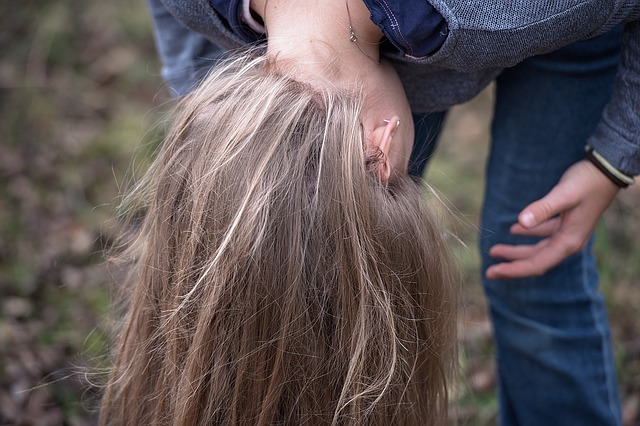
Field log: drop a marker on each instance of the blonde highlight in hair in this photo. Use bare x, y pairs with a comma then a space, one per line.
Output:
277, 279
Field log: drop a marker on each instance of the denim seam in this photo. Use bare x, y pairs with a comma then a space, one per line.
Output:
606, 357
395, 26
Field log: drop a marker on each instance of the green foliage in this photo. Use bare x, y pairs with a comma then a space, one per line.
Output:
77, 83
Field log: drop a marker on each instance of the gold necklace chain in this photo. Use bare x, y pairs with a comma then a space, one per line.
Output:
354, 38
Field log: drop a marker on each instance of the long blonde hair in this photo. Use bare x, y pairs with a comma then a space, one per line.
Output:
277, 279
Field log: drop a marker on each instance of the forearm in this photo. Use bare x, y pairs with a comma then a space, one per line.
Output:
617, 136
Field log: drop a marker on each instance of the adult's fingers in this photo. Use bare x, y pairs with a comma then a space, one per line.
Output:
515, 252
544, 229
542, 258
536, 213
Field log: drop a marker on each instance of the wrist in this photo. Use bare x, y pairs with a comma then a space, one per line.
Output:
618, 177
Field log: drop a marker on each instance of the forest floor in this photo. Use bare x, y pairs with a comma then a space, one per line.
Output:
80, 102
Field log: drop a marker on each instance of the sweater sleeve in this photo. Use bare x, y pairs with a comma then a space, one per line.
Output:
617, 137
186, 55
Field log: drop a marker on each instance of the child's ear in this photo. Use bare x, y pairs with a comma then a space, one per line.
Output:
382, 138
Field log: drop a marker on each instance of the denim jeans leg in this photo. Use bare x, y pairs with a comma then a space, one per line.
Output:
427, 127
186, 56
555, 363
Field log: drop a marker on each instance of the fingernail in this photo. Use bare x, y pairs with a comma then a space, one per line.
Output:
528, 220
489, 273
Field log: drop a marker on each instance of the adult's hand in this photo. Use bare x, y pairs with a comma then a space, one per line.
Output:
565, 218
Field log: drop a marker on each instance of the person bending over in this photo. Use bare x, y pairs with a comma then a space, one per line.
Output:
287, 270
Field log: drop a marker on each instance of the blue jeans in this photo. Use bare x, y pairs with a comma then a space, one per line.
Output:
554, 356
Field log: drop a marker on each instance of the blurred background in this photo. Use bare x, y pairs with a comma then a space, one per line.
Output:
80, 102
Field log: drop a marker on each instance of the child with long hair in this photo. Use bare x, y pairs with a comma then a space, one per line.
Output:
281, 274
567, 83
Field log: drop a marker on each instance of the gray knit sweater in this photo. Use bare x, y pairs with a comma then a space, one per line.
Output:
488, 36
